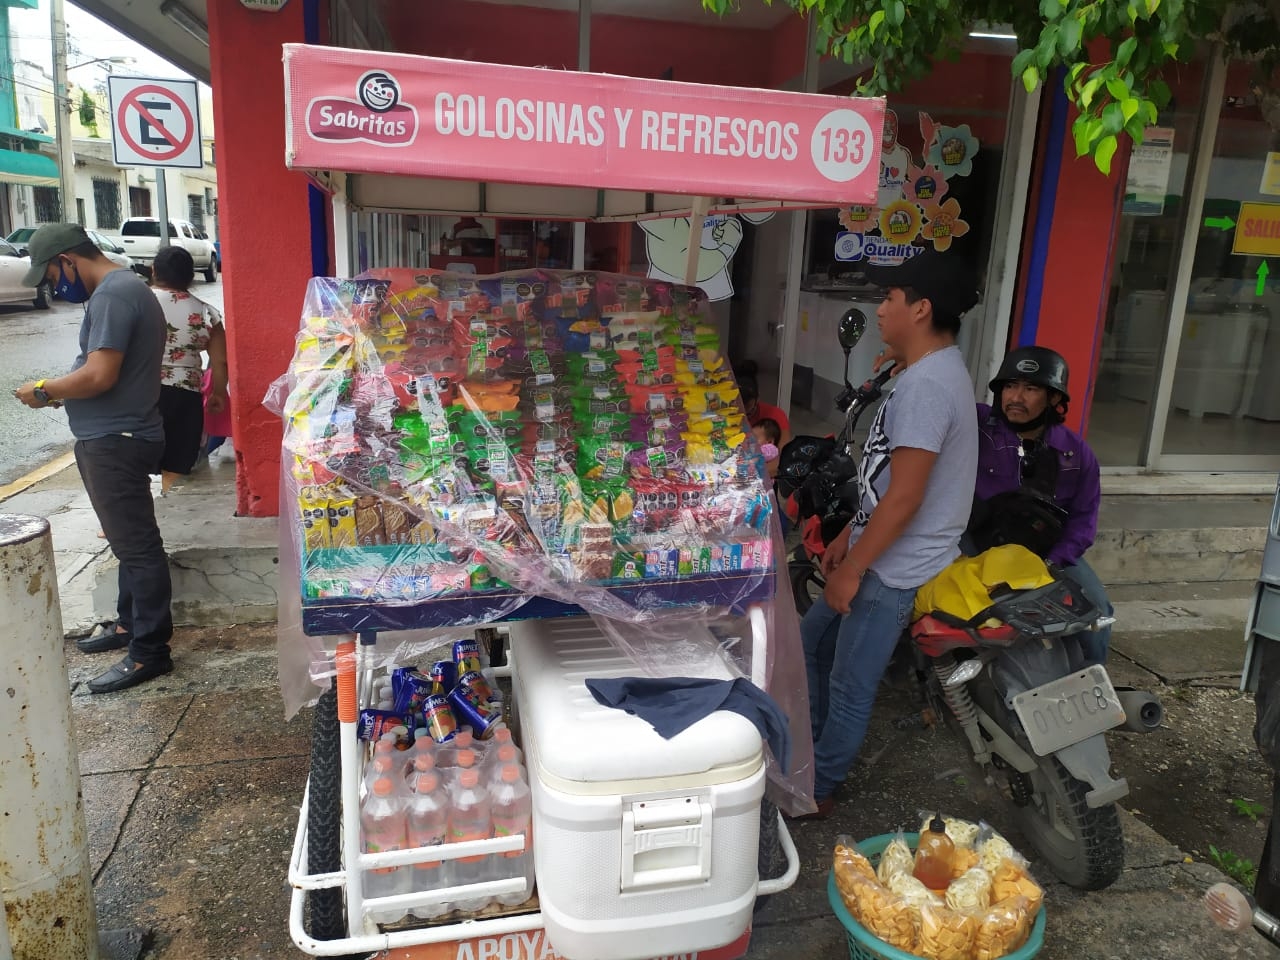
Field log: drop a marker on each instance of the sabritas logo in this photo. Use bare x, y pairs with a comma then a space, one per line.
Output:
376, 115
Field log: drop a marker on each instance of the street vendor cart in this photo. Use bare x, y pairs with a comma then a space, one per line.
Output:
556, 460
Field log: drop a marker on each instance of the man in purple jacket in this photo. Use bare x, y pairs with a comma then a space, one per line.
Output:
1023, 445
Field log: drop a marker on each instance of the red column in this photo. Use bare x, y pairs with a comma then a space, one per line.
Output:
264, 224
1071, 231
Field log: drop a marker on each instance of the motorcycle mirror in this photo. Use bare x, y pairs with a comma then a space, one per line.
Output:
851, 328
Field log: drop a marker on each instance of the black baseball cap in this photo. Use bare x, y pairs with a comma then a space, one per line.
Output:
48, 242
944, 279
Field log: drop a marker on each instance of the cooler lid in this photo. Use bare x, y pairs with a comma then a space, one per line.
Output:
579, 745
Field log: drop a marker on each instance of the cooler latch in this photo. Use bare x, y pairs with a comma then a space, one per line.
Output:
666, 842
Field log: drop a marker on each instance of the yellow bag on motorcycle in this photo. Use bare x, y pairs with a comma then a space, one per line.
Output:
963, 589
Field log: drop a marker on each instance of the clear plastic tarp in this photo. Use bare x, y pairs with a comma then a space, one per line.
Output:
464, 449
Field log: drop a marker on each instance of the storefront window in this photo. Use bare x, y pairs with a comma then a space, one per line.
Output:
1226, 396
1146, 255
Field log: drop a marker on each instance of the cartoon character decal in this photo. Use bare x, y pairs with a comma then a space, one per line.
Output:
667, 246
912, 203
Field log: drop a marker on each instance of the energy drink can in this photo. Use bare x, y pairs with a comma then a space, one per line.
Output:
466, 655
438, 718
472, 706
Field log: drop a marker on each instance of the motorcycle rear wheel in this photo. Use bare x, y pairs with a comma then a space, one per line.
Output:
806, 584
1082, 846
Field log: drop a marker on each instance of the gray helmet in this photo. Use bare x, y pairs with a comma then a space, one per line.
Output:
1038, 365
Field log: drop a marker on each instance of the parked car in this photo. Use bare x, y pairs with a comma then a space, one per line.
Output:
109, 246
141, 239
112, 250
13, 266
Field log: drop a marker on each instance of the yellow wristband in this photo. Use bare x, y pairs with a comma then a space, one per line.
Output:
39, 384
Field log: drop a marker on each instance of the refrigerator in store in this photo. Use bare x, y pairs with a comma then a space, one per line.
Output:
1219, 358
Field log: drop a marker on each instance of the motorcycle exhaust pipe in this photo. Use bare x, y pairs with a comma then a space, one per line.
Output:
1143, 711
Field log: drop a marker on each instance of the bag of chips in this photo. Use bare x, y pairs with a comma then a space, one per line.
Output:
883, 913
945, 934
897, 858
1003, 928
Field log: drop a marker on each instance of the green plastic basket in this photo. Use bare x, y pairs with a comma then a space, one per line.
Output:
864, 945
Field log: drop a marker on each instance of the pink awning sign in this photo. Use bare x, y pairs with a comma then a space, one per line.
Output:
366, 112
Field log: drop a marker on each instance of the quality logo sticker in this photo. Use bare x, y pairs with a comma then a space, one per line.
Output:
375, 116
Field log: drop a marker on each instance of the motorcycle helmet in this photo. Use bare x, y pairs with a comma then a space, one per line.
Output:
1039, 365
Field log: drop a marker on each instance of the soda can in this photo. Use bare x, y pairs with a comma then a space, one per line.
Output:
471, 705
438, 718
466, 655
444, 677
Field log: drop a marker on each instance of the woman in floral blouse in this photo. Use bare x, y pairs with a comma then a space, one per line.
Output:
194, 327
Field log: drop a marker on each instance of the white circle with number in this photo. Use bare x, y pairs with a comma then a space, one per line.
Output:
842, 145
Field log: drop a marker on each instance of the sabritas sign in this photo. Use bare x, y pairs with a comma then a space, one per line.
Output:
534, 945
419, 116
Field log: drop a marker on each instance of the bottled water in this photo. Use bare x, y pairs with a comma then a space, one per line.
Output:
470, 819
512, 807
385, 828
428, 827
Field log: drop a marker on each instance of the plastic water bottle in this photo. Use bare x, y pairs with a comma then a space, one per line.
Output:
470, 819
385, 828
447, 753
428, 827
383, 764
512, 806
463, 760
493, 764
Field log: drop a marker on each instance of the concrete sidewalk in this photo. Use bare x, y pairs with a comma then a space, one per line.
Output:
192, 781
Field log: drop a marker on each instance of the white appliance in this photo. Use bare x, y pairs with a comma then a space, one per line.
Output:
818, 346
643, 847
1219, 360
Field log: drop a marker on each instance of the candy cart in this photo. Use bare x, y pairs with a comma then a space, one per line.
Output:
557, 461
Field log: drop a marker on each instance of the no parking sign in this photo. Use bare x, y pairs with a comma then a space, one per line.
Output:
155, 122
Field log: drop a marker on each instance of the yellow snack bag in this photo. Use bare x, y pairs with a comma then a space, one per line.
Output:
946, 934
1004, 927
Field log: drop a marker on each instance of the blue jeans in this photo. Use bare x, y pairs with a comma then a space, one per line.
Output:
845, 658
1094, 646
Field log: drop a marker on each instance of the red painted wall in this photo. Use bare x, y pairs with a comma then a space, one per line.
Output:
715, 52
1084, 222
265, 239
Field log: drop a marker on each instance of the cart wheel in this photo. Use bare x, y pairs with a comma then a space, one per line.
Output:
772, 860
324, 820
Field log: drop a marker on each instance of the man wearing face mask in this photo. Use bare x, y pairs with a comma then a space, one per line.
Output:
112, 399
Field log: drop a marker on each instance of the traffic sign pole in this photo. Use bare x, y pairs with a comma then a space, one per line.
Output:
162, 203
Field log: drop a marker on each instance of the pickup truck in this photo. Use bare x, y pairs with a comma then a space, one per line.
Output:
141, 239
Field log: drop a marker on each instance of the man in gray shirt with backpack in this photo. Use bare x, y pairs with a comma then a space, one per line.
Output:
916, 478
111, 396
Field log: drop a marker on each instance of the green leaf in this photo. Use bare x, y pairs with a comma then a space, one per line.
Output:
1080, 130
1030, 77
1152, 7
1021, 61
1090, 91
1135, 127
1125, 53
896, 12
877, 18
1112, 119
1160, 93
1129, 106
1069, 36
1103, 153
1050, 9
1046, 48
1117, 88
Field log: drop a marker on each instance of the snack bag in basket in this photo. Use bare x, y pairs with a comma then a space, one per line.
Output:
970, 892
1002, 929
847, 862
993, 849
882, 913
897, 858
946, 934
1010, 879
913, 891
965, 858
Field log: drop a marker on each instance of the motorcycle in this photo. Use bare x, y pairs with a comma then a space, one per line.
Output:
1011, 679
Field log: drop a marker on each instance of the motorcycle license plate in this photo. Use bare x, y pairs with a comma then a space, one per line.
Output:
1069, 710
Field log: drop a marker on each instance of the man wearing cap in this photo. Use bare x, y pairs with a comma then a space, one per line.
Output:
111, 396
916, 477
1024, 448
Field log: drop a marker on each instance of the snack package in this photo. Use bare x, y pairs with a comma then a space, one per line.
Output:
970, 892
1003, 928
848, 860
1010, 879
993, 850
882, 912
896, 859
913, 891
945, 934
964, 859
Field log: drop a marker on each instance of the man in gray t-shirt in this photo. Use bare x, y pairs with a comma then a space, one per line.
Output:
917, 477
112, 395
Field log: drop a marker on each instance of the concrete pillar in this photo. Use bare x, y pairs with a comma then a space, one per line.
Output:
45, 880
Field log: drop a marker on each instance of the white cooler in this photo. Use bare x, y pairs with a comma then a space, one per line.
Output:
643, 847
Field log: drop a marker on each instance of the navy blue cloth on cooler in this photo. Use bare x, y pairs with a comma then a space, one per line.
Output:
671, 704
